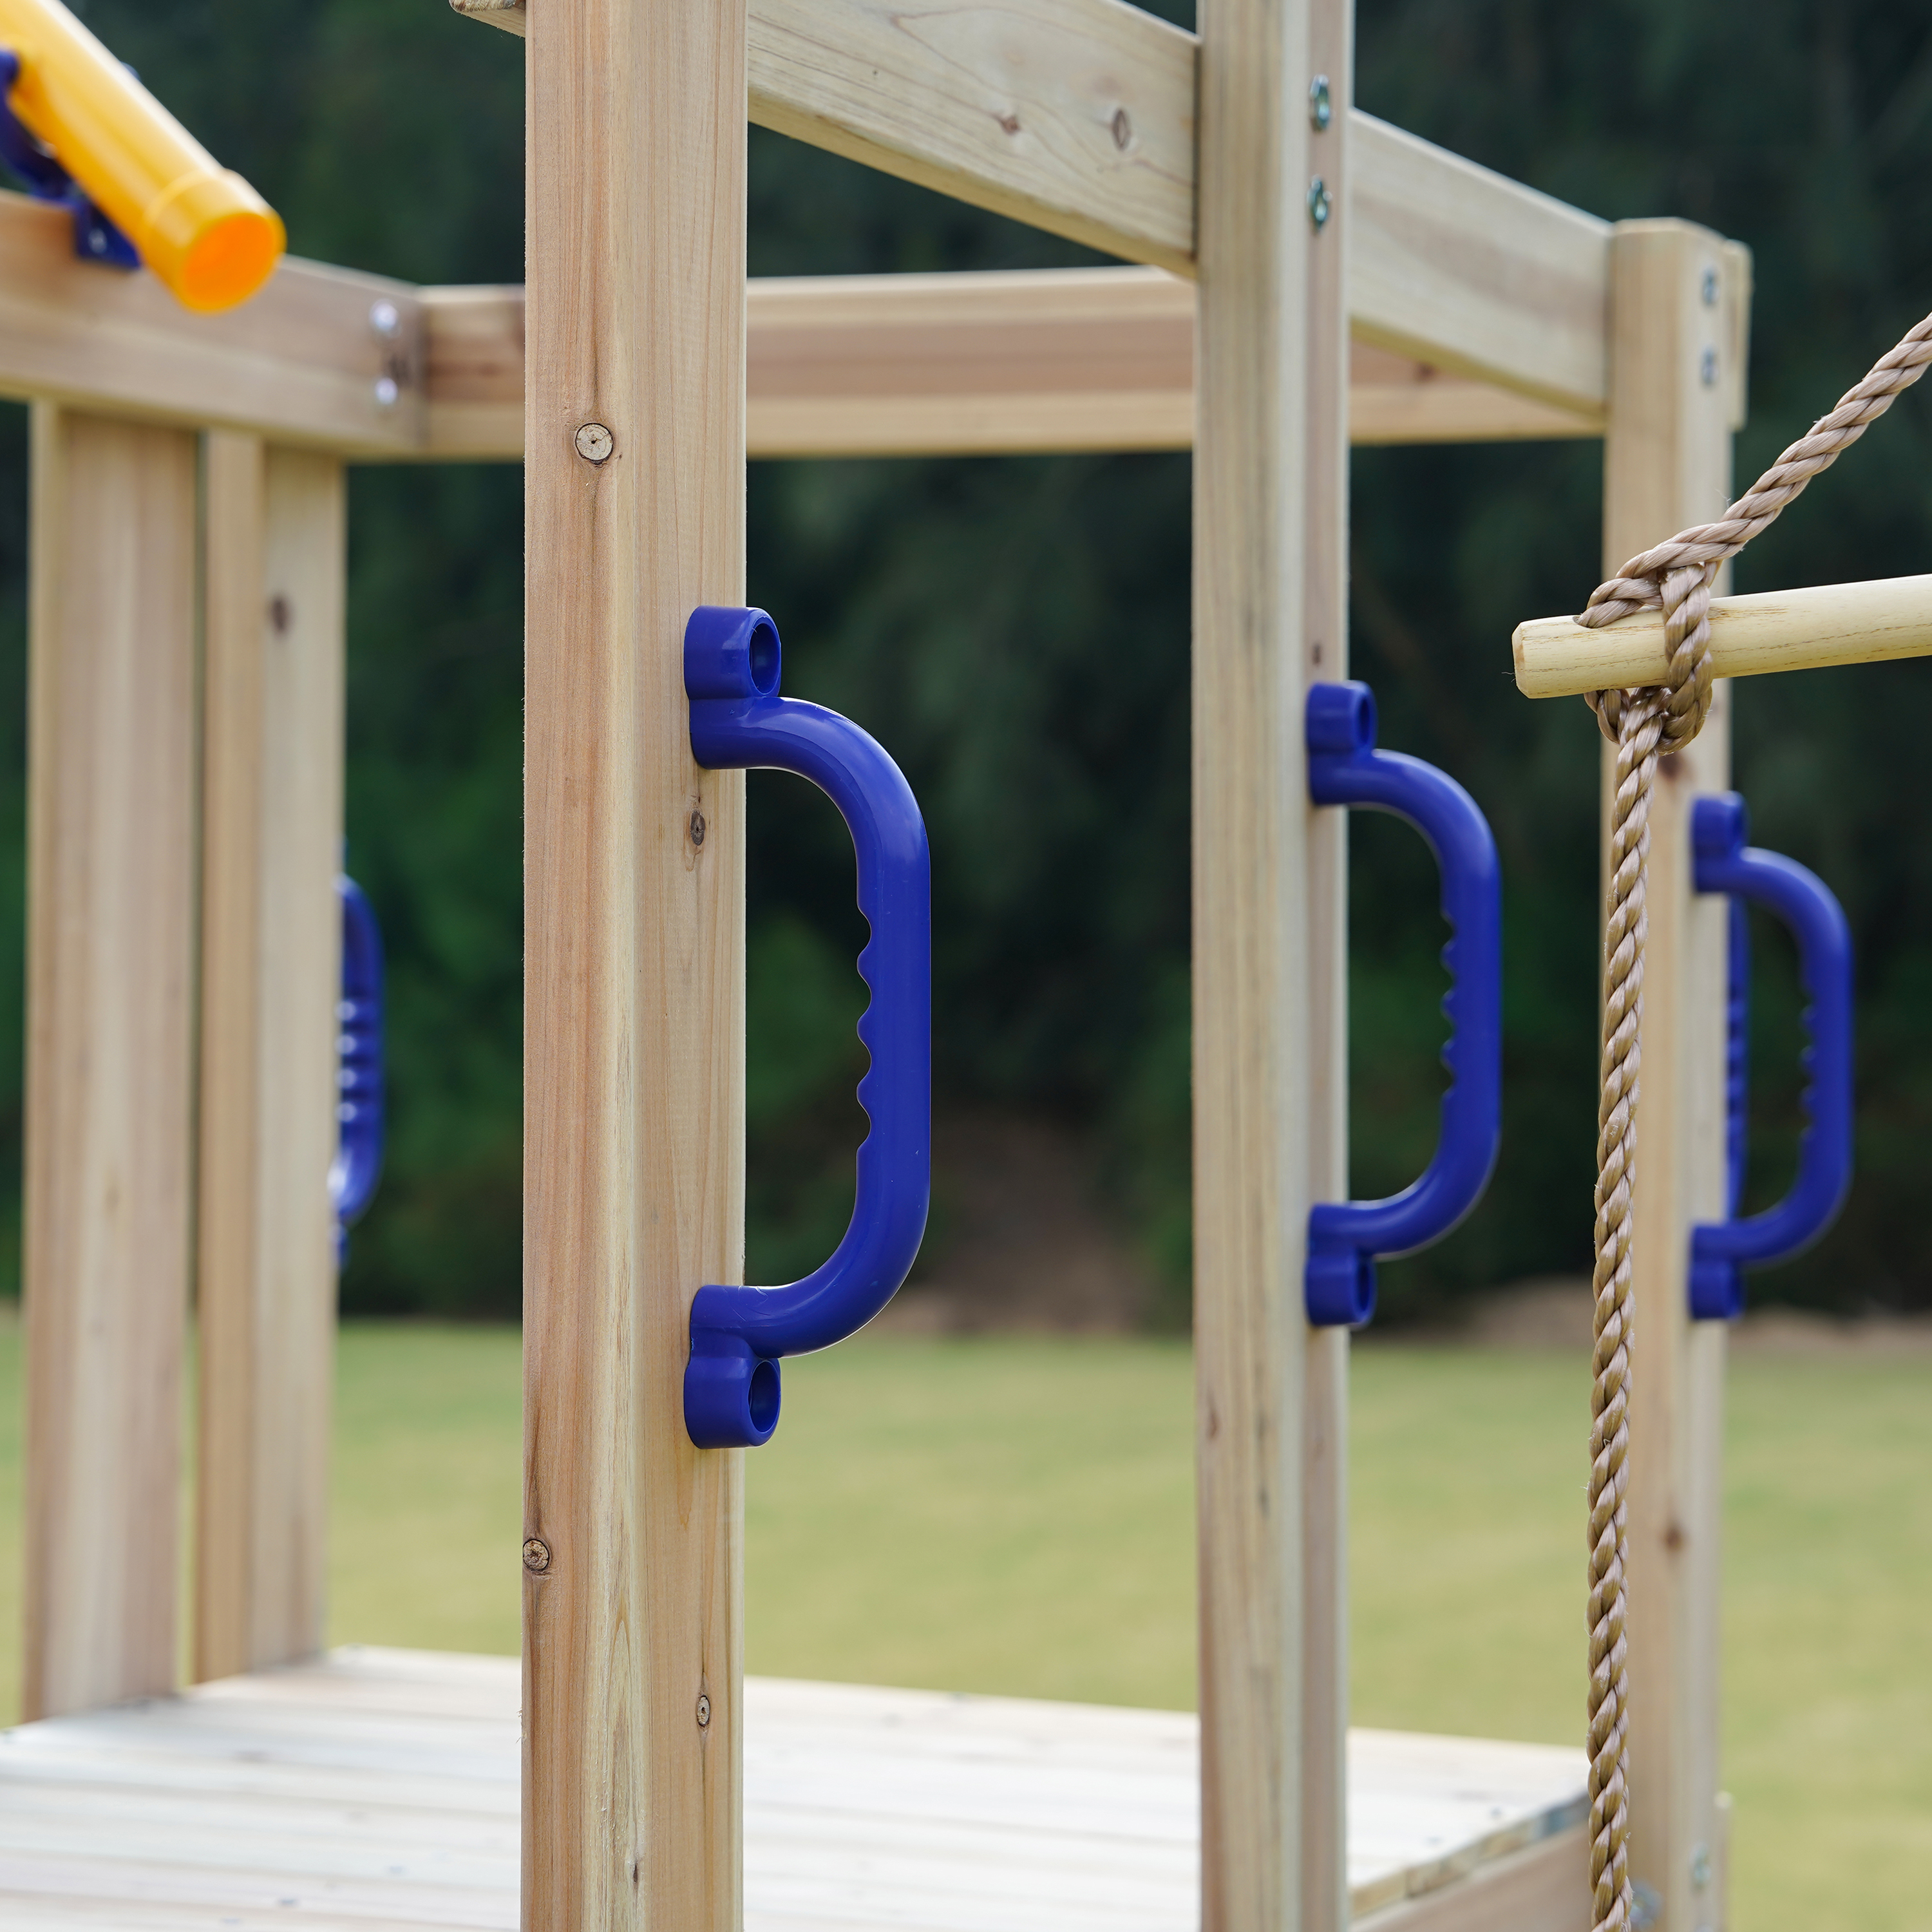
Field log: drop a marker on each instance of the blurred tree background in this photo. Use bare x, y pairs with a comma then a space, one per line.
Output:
1016, 632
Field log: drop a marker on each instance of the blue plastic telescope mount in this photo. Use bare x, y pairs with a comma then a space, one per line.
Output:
95, 238
732, 661
359, 1099
1722, 863
1345, 1238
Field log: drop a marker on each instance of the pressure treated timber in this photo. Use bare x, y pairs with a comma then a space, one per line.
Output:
963, 364
299, 362
378, 1788
1813, 629
111, 813
635, 967
1667, 464
1270, 543
275, 533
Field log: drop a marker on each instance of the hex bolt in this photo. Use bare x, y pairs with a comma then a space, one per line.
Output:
536, 1555
386, 392
1707, 368
703, 1711
1321, 103
1319, 206
1709, 287
595, 442
386, 320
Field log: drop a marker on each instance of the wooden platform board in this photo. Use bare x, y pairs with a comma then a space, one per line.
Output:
377, 1790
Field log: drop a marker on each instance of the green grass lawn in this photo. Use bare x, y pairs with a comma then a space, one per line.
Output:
1017, 1516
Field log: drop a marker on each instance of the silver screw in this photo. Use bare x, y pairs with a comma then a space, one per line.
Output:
594, 443
385, 320
1319, 206
703, 1711
1700, 1866
386, 392
1707, 368
1710, 288
1321, 103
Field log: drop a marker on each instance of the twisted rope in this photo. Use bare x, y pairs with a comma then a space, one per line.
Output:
1644, 724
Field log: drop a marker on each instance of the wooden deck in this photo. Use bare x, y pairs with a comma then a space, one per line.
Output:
377, 1791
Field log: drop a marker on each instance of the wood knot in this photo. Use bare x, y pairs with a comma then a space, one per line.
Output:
1009, 124
536, 1555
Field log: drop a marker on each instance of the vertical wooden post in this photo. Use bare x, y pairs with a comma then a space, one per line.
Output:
1270, 495
109, 1023
633, 1053
271, 835
1674, 383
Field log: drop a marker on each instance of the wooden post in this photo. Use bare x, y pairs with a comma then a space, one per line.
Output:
1269, 1019
634, 1052
272, 750
109, 1074
1674, 384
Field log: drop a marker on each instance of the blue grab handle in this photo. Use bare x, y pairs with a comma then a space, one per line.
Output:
1344, 1237
1723, 862
732, 664
357, 1164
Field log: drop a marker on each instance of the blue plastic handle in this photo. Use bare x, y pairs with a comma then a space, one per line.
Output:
732, 662
1723, 862
357, 1164
1344, 1237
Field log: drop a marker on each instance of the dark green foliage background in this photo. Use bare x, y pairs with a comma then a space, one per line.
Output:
1016, 632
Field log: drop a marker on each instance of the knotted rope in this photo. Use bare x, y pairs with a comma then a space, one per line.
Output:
1644, 724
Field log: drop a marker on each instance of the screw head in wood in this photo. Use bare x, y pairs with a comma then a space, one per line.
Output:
1709, 289
1321, 103
536, 1555
385, 320
1707, 368
1319, 206
386, 392
595, 442
703, 1711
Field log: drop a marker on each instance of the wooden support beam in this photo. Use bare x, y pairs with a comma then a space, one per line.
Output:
1667, 464
109, 1072
634, 987
967, 364
1271, 1032
274, 530
1814, 629
300, 362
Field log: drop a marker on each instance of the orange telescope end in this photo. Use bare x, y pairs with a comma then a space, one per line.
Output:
203, 229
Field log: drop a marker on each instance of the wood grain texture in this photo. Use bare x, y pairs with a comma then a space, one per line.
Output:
380, 1787
963, 364
634, 989
111, 813
1269, 617
299, 362
1667, 464
1814, 629
272, 753
1543, 1888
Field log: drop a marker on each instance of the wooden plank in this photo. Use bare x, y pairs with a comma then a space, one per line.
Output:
633, 999
1811, 629
109, 1076
275, 526
1667, 464
965, 365
1544, 1888
1270, 1069
301, 361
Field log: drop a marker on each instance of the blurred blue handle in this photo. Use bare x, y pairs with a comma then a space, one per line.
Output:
357, 1164
1344, 1237
732, 664
1723, 862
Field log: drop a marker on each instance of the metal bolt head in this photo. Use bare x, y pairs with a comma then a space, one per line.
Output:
1319, 206
1709, 288
1700, 1865
385, 320
536, 1555
595, 442
703, 1711
386, 392
1321, 103
1707, 368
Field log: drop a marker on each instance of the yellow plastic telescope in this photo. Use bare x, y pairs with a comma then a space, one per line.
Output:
203, 229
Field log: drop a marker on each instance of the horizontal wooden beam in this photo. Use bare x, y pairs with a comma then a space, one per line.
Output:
896, 365
1077, 116
304, 362
1773, 630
